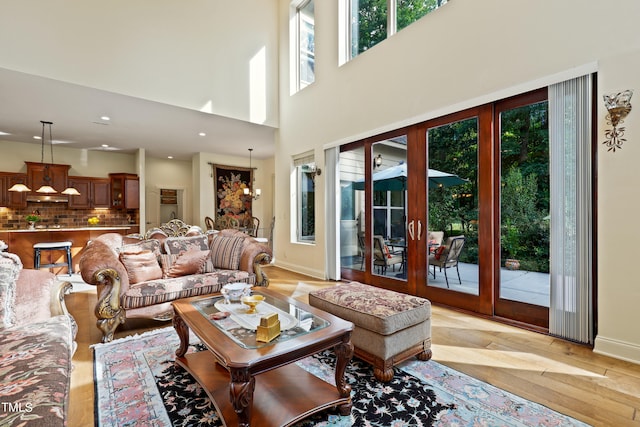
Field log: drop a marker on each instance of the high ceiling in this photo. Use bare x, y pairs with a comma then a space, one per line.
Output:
162, 130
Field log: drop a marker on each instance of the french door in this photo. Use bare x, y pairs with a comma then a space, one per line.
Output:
478, 178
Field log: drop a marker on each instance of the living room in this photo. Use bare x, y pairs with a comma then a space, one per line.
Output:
424, 71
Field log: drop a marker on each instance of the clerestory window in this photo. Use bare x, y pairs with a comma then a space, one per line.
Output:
302, 44
372, 21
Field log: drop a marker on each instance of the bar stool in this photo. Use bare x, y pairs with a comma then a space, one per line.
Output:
52, 246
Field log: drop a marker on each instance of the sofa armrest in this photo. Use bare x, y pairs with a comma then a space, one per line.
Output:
254, 256
100, 266
58, 291
97, 257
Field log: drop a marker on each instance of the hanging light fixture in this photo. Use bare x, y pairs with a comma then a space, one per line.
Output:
46, 188
249, 191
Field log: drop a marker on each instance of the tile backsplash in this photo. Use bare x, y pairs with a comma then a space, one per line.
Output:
59, 214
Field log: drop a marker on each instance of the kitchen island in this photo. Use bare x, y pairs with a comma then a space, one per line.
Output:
21, 241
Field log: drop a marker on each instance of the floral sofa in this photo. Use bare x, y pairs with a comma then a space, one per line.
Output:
139, 277
37, 342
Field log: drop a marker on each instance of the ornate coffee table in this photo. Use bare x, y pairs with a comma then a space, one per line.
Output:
238, 368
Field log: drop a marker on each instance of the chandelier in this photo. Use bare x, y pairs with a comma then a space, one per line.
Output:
45, 188
249, 191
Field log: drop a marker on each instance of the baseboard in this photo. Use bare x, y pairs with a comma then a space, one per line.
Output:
617, 349
316, 274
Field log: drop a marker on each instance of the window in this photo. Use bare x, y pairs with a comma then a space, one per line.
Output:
304, 183
372, 21
304, 44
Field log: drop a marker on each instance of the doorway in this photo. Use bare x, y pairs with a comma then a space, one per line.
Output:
413, 221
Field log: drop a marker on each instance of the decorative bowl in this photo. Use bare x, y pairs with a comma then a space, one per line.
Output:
235, 291
252, 301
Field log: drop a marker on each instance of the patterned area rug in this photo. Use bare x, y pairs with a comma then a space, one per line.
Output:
137, 383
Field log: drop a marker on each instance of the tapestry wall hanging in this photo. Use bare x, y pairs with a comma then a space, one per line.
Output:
229, 183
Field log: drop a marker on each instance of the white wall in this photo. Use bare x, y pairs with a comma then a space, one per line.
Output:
196, 55
172, 174
83, 162
466, 54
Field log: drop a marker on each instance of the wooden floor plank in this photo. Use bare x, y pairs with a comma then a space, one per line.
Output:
561, 375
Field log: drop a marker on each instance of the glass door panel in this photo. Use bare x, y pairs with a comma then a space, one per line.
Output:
524, 204
452, 234
389, 208
352, 210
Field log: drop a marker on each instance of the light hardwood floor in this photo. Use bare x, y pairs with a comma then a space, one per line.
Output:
566, 377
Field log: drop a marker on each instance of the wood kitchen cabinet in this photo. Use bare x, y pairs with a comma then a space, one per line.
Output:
125, 191
94, 193
39, 174
12, 199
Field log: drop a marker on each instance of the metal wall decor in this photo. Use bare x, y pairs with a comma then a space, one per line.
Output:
618, 105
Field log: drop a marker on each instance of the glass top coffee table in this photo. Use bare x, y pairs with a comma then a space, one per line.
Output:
256, 383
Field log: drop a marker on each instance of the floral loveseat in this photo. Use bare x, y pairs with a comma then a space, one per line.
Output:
37, 342
139, 277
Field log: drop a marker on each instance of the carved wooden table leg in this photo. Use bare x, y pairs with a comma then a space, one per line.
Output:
241, 390
183, 333
344, 353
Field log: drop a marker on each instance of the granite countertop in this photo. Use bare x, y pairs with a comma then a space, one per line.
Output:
78, 228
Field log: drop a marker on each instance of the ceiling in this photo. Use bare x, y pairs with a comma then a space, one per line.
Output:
162, 130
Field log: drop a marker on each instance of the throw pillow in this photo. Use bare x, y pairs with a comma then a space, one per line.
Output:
186, 263
439, 252
152, 245
141, 266
10, 266
175, 245
166, 261
226, 251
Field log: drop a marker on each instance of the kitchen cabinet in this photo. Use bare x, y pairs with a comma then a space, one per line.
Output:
94, 193
12, 199
39, 174
125, 191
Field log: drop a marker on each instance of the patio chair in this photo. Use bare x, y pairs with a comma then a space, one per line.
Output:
434, 239
383, 257
361, 249
447, 256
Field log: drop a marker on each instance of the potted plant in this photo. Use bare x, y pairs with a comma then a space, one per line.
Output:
511, 245
32, 219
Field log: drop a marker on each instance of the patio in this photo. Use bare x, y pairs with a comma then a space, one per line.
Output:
517, 285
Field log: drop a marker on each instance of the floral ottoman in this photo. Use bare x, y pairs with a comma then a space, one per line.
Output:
389, 327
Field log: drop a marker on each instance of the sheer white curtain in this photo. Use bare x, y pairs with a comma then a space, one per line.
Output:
332, 213
571, 311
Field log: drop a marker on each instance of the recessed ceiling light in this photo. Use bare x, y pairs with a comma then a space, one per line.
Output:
37, 137
107, 118
4, 133
169, 157
202, 134
105, 145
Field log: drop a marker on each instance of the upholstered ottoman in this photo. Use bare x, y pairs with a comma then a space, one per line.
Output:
389, 327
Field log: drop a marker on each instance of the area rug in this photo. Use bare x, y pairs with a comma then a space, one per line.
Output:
138, 383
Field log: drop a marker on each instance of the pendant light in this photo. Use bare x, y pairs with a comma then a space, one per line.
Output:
248, 191
47, 189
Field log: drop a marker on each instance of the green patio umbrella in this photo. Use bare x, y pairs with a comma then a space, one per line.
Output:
395, 179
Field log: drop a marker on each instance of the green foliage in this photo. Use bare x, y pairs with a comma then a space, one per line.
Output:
524, 150
32, 218
372, 19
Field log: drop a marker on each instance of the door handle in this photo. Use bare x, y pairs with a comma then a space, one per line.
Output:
411, 231
419, 229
